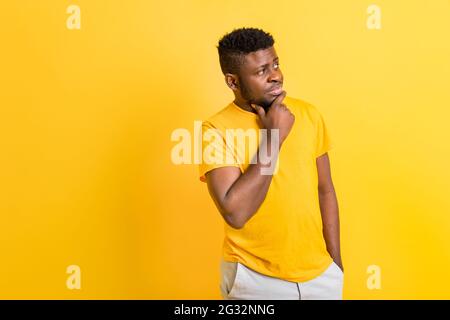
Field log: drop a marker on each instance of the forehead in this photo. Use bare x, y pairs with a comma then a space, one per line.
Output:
258, 58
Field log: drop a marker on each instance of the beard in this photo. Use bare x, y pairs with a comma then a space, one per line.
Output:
247, 95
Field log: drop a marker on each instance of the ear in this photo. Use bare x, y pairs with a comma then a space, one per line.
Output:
232, 81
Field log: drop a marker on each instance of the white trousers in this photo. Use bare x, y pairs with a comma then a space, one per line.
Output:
239, 282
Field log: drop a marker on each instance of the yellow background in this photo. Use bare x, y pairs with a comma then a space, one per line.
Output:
85, 125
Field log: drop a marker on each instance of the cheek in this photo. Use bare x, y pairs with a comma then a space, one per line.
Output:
255, 87
259, 87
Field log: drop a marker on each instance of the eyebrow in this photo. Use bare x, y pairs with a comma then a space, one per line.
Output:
265, 65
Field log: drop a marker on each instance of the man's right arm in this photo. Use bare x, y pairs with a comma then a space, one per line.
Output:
239, 195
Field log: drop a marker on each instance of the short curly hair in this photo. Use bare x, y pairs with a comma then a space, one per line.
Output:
234, 45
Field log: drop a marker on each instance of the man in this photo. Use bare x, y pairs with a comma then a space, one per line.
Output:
281, 229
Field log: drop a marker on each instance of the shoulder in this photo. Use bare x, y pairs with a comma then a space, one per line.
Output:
217, 119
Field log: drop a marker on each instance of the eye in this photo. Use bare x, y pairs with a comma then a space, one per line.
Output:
276, 65
261, 72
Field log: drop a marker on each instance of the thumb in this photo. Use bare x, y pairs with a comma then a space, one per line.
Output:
260, 110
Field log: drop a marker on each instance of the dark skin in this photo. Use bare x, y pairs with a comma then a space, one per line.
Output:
253, 88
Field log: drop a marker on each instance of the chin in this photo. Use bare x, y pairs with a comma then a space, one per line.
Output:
265, 102
268, 101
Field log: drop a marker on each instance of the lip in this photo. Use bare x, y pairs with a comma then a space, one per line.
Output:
277, 91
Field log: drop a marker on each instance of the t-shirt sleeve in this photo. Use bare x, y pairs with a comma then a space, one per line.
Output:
215, 152
324, 143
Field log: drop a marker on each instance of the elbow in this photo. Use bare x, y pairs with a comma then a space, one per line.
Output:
234, 213
323, 191
234, 220
236, 225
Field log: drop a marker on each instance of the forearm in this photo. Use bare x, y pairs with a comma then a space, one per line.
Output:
331, 229
248, 192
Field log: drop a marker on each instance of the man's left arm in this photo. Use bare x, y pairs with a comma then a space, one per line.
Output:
329, 209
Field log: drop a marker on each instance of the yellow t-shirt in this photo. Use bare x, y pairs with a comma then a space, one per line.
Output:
284, 237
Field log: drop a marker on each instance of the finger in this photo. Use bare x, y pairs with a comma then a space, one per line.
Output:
260, 110
279, 98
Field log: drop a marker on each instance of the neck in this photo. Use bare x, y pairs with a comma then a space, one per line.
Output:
244, 105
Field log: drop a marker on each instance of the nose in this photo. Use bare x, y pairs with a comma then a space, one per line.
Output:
275, 76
